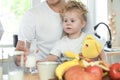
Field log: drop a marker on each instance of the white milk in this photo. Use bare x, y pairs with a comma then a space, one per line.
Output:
47, 70
31, 61
16, 75
1, 72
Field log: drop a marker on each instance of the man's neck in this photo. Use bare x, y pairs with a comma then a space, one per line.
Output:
57, 7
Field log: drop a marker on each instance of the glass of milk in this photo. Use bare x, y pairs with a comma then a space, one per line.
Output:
30, 63
16, 71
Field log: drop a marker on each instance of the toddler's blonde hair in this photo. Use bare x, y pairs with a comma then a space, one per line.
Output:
72, 5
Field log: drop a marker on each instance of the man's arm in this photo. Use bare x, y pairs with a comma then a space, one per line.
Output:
21, 45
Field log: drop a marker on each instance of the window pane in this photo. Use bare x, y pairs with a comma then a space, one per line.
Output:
11, 12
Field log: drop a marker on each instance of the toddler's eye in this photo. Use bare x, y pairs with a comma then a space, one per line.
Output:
65, 20
72, 20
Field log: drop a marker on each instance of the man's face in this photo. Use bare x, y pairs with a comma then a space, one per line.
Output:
54, 2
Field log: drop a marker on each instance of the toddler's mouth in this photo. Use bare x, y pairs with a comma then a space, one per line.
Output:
68, 28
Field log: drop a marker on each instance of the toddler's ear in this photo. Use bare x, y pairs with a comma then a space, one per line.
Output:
83, 24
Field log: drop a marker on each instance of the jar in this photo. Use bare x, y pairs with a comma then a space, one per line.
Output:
1, 68
15, 71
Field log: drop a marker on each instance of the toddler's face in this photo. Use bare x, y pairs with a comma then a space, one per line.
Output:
73, 22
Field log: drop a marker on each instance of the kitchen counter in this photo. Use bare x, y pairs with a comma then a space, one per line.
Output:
31, 76
27, 76
36, 77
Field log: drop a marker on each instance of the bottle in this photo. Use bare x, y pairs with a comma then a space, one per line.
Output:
15, 70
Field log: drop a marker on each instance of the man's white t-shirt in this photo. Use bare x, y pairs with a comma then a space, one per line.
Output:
44, 25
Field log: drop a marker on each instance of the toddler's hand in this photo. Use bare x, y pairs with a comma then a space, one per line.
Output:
81, 56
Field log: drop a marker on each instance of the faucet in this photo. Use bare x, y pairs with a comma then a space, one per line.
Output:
108, 43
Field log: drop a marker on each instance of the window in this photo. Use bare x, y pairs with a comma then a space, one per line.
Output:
10, 17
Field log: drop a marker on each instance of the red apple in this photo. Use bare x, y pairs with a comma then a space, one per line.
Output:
96, 70
79, 73
114, 72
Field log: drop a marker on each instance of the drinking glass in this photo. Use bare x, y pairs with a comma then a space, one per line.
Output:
31, 63
15, 71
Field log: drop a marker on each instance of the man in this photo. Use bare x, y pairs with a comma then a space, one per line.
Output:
43, 24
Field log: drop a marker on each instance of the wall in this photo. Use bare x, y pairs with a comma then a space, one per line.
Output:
116, 6
102, 14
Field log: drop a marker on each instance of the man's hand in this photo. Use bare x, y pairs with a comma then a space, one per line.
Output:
18, 60
18, 57
21, 46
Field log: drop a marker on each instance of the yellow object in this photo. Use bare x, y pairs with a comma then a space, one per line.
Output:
60, 70
70, 54
101, 64
91, 47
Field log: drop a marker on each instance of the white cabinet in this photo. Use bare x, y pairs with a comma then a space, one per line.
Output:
113, 57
